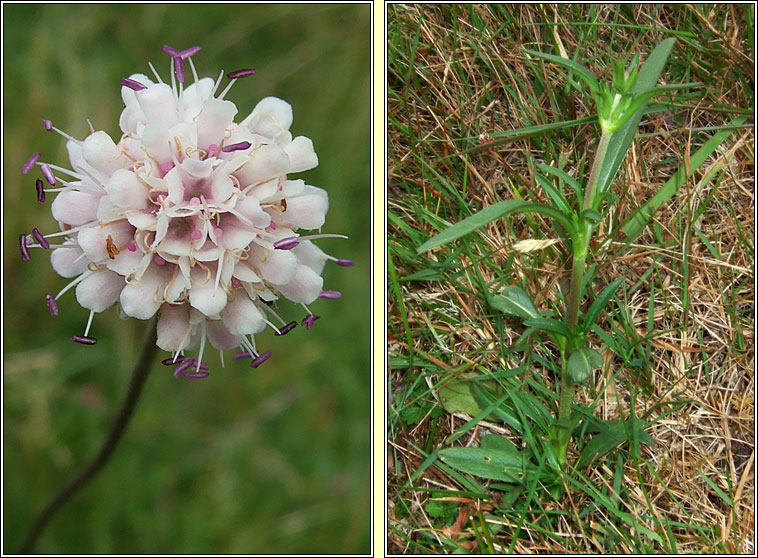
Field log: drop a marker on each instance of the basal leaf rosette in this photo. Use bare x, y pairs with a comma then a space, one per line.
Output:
189, 215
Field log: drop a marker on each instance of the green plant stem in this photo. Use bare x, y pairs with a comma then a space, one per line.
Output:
574, 300
139, 375
602, 148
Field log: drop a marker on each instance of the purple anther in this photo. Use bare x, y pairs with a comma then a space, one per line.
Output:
30, 162
131, 84
329, 294
236, 147
179, 68
48, 124
51, 304
170, 361
240, 73
171, 51
183, 366
286, 329
345, 263
40, 191
187, 52
308, 321
48, 173
196, 375
260, 359
83, 339
24, 249
240, 356
41, 239
287, 243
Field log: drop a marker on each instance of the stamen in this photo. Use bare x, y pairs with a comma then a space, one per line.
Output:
241, 73
186, 53
131, 246
47, 171
24, 249
330, 294
184, 365
132, 84
154, 72
171, 51
84, 340
212, 149
240, 356
236, 147
51, 304
345, 263
260, 359
286, 329
196, 375
179, 68
89, 322
41, 239
171, 361
40, 191
30, 162
286, 243
48, 125
309, 320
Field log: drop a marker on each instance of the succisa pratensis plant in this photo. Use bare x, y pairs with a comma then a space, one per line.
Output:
620, 106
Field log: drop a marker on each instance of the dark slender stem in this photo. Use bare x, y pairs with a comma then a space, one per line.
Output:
139, 375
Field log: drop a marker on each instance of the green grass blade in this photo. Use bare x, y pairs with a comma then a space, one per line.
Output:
640, 218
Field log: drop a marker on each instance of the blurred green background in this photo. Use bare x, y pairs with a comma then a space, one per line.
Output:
272, 460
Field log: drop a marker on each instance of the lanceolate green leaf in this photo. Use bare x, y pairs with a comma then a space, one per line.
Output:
612, 433
600, 302
578, 69
503, 464
489, 214
549, 325
622, 140
514, 301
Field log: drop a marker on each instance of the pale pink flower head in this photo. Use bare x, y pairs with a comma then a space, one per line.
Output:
189, 215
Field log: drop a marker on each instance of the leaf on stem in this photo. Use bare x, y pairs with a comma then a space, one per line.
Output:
575, 67
489, 214
600, 302
582, 362
622, 139
514, 301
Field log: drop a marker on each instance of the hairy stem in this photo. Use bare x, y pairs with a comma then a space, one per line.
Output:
574, 300
602, 148
139, 375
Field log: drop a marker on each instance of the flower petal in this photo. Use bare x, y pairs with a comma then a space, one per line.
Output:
99, 291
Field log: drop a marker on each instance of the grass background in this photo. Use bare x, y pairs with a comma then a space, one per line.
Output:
682, 327
273, 460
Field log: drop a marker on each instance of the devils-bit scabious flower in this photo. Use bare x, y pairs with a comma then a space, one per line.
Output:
189, 215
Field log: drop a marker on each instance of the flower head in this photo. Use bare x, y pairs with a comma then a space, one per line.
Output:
190, 215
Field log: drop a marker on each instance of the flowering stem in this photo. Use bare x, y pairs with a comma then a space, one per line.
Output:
581, 246
139, 376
